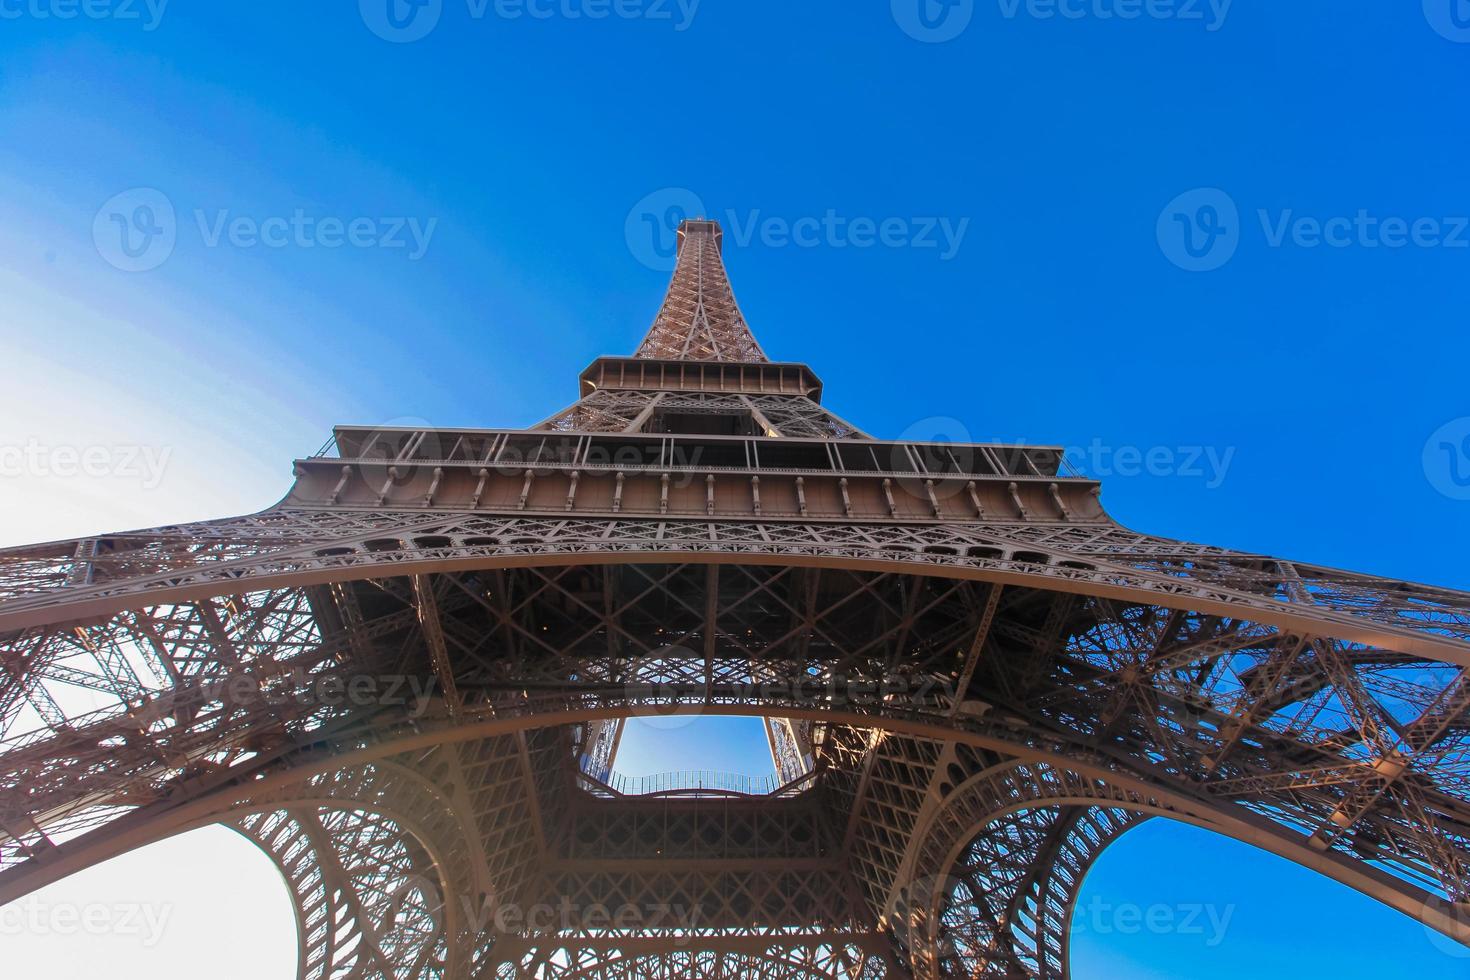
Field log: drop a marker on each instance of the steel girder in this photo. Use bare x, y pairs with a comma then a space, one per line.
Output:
91, 577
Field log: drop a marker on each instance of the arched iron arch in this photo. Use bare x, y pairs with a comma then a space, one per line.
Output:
1045, 779
964, 718
985, 899
1104, 561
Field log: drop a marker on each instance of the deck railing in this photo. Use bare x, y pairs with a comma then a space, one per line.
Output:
693, 782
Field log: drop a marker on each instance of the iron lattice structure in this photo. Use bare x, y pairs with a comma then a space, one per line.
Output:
407, 683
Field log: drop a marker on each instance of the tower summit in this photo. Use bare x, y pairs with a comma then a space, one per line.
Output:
406, 682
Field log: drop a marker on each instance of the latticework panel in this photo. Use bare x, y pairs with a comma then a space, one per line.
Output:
249, 553
776, 961
700, 320
380, 865
996, 875
1008, 903
896, 786
364, 908
623, 410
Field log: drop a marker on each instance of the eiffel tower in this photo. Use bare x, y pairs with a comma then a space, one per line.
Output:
407, 683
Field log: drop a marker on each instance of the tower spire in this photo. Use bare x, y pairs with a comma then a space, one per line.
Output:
700, 320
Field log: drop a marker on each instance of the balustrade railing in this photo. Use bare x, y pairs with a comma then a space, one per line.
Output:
693, 782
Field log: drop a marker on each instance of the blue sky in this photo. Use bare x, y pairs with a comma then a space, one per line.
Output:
1224, 258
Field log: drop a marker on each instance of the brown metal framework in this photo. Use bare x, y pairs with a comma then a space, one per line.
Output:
406, 682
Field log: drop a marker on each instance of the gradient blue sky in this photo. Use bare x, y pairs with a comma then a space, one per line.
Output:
1296, 398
